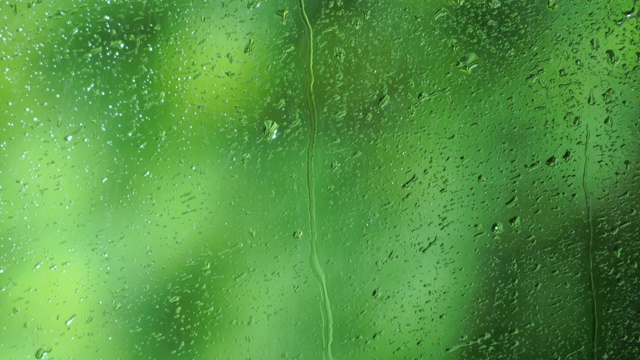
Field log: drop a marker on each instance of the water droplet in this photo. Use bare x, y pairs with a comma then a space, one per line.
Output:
283, 14
552, 161
43, 352
245, 159
613, 59
384, 101
591, 100
468, 62
633, 12
249, 47
270, 130
68, 322
442, 12
618, 251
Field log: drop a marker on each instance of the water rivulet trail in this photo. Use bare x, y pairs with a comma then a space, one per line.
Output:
594, 304
327, 317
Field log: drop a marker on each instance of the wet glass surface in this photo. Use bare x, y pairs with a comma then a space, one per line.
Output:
319, 179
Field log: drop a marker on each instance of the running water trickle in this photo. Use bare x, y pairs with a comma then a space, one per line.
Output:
316, 267
594, 305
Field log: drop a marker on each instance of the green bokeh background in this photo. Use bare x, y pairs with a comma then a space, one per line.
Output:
145, 215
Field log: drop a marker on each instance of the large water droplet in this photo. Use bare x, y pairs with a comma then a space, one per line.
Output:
270, 130
68, 322
43, 352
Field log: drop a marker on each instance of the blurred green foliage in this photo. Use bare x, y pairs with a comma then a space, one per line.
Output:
144, 213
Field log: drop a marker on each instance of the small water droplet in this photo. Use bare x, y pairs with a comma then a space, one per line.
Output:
552, 161
68, 322
384, 101
249, 47
618, 251
591, 100
613, 59
283, 14
442, 12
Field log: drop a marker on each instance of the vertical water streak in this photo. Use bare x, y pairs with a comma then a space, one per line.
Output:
594, 305
316, 267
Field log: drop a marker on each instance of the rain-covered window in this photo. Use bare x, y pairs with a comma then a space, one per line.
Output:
320, 179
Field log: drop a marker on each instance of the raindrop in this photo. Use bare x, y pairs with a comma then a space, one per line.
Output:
552, 161
270, 130
591, 100
283, 14
43, 352
613, 59
383, 101
468, 62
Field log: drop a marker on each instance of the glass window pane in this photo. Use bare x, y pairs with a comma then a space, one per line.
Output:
335, 179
